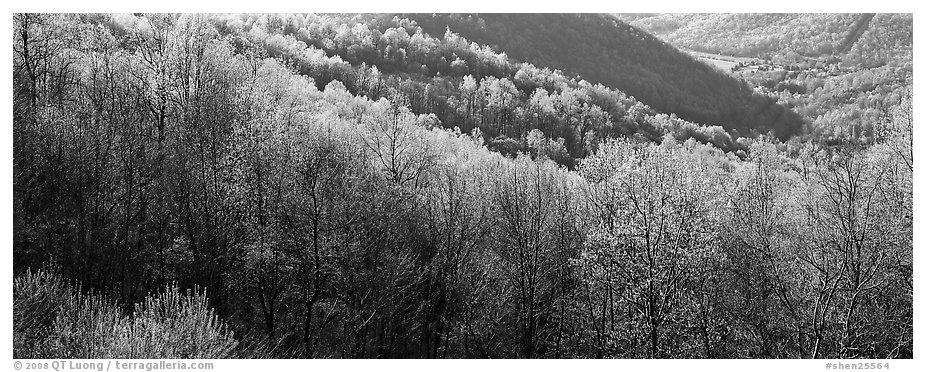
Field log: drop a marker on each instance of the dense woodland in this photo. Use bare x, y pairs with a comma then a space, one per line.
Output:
314, 186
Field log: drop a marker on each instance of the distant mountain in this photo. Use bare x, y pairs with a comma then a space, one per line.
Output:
866, 40
604, 49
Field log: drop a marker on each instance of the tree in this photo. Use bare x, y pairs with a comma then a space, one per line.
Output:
388, 133
651, 236
526, 238
760, 253
858, 239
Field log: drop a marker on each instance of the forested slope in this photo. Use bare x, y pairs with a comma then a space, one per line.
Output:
606, 50
189, 186
465, 84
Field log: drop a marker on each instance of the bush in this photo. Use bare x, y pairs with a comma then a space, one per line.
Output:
86, 327
173, 325
51, 319
37, 297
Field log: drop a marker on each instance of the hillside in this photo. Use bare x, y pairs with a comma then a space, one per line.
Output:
603, 49
461, 83
860, 39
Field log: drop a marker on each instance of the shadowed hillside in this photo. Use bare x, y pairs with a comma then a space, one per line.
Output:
605, 50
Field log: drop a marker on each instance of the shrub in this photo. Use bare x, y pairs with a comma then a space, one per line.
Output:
51, 319
174, 325
37, 297
86, 327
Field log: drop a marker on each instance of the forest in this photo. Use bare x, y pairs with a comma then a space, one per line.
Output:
353, 186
